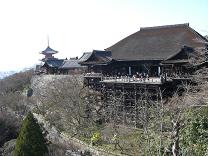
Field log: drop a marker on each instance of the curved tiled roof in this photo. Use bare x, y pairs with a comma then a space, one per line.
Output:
56, 63
85, 56
49, 50
96, 57
156, 43
70, 64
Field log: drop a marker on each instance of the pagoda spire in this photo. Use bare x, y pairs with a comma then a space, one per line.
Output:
48, 40
48, 52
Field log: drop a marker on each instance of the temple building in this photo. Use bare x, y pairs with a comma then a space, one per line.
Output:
150, 51
146, 66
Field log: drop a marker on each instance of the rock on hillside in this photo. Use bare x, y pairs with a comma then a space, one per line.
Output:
45, 81
8, 148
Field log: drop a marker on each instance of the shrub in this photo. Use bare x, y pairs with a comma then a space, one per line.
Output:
30, 141
96, 138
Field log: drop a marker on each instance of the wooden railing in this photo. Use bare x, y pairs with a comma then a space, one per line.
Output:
133, 79
93, 75
126, 78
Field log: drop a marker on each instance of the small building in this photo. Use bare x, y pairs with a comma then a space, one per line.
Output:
63, 66
51, 66
72, 66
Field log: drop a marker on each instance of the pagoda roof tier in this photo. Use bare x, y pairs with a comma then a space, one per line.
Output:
49, 50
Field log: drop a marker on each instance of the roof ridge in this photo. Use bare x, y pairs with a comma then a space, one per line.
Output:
165, 26
86, 52
200, 36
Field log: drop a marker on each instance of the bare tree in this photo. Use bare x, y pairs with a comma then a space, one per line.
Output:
64, 97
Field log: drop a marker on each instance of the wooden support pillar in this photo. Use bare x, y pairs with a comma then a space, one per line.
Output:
159, 70
135, 104
123, 99
130, 71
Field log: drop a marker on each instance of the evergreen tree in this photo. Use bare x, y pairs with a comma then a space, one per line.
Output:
30, 141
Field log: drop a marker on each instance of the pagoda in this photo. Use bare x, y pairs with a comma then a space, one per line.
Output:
48, 52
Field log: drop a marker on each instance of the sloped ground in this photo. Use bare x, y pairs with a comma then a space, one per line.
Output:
73, 145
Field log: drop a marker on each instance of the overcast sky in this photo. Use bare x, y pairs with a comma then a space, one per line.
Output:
77, 26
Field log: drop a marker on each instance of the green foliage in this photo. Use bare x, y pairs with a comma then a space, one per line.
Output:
195, 133
96, 138
30, 141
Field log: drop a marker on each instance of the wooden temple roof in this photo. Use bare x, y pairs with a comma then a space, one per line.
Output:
97, 57
62, 64
85, 56
156, 43
54, 63
70, 64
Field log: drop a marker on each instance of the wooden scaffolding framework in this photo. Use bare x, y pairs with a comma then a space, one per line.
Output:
123, 101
